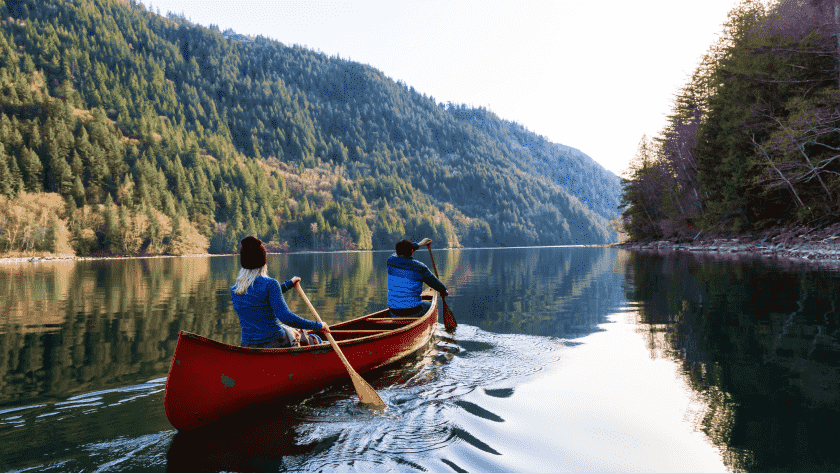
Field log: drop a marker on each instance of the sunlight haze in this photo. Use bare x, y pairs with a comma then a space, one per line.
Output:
595, 76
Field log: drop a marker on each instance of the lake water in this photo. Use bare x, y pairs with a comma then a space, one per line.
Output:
583, 359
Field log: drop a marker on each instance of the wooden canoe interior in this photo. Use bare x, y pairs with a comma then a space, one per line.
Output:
376, 323
369, 327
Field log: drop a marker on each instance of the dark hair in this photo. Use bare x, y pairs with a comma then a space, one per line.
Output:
405, 248
252, 254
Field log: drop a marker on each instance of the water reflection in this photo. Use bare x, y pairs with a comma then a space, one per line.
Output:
74, 331
564, 358
75, 327
561, 292
71, 327
760, 345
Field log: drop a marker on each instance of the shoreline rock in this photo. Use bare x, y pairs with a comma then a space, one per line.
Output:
75, 258
48, 257
800, 245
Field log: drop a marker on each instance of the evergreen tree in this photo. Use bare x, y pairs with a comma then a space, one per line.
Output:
33, 170
62, 179
6, 187
124, 228
53, 235
113, 231
78, 192
153, 231
76, 239
16, 177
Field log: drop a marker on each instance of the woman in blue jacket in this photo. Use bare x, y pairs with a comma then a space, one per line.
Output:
264, 316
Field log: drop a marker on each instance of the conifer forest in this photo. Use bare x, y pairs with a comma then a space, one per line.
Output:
751, 143
125, 132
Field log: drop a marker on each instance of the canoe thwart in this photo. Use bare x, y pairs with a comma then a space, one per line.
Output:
392, 320
368, 331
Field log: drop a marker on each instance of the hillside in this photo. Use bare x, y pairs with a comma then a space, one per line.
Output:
572, 170
750, 146
163, 136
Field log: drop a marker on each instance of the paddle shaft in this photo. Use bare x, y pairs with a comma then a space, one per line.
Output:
366, 393
448, 318
429, 246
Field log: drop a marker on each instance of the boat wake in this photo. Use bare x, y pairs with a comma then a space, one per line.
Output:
439, 417
428, 423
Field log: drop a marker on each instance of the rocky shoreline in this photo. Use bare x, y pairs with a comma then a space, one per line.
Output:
800, 244
69, 257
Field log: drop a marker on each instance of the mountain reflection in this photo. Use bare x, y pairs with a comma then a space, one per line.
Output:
73, 327
561, 292
758, 347
78, 326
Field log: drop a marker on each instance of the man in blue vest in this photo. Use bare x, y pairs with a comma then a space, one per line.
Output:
405, 281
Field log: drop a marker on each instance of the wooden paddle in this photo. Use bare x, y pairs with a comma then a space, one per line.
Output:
367, 394
448, 318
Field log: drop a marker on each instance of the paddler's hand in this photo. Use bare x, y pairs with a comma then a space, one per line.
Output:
325, 328
444, 293
295, 280
425, 241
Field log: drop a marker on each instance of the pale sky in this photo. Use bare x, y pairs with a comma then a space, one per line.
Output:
592, 75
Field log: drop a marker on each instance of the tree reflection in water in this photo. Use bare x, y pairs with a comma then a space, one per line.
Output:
760, 343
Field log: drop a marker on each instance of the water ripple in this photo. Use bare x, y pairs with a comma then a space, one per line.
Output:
426, 416
82, 404
428, 424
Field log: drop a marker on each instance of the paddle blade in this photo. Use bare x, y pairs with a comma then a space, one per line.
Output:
448, 318
367, 394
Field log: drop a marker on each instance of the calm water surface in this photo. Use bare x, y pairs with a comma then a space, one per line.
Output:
585, 359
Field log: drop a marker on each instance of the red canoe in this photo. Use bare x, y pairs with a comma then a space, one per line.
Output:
208, 379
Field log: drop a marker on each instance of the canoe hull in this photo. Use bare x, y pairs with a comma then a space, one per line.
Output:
208, 379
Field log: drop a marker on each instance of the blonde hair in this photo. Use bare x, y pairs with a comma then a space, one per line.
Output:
246, 278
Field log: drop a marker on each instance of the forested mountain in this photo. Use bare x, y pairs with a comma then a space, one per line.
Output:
156, 135
752, 140
574, 171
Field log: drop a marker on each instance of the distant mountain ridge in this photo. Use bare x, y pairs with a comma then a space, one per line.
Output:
179, 130
569, 168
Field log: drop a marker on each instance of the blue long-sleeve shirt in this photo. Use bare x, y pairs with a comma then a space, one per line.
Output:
405, 281
262, 308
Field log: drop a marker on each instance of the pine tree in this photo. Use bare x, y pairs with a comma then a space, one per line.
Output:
76, 239
153, 231
78, 192
5, 175
63, 177
113, 233
76, 166
28, 66
124, 224
53, 235
361, 233
16, 177
33, 170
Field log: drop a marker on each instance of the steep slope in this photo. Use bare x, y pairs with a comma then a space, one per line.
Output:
185, 130
575, 172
